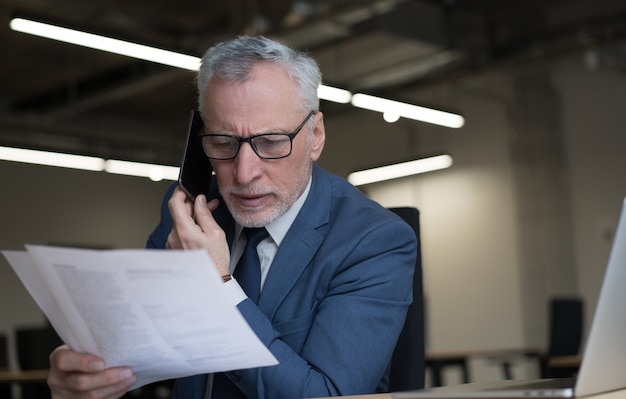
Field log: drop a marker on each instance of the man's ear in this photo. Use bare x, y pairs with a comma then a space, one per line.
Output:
319, 137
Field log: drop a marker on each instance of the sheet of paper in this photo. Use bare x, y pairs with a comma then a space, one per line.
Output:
160, 312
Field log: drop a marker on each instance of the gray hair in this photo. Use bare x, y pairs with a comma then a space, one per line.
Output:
233, 61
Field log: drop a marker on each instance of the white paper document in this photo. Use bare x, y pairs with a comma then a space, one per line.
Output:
161, 312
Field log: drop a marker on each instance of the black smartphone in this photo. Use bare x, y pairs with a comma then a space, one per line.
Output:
195, 169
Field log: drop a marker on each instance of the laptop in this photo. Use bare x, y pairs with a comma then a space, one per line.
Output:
603, 365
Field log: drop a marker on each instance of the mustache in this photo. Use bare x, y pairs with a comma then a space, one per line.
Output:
249, 191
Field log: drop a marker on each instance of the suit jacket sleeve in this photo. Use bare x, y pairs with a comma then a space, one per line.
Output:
158, 237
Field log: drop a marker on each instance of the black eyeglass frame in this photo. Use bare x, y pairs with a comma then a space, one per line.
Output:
250, 139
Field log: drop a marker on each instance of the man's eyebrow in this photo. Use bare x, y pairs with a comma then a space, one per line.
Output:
255, 133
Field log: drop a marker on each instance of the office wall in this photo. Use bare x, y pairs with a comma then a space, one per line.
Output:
480, 280
48, 205
476, 267
468, 236
596, 124
468, 231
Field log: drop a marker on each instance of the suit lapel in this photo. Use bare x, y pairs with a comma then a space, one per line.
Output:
299, 246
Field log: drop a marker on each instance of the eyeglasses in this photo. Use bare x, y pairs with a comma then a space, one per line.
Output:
266, 145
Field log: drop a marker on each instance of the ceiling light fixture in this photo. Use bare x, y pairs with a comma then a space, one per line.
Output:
334, 94
188, 62
152, 171
400, 170
51, 159
106, 44
409, 111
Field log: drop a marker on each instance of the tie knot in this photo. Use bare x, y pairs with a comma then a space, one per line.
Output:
255, 235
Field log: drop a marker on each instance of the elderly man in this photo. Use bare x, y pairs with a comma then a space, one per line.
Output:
335, 267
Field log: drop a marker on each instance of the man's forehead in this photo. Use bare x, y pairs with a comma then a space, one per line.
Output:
261, 68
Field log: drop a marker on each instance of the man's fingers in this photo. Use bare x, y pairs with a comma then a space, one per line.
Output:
109, 381
194, 228
180, 206
65, 359
82, 375
202, 213
204, 218
69, 390
185, 230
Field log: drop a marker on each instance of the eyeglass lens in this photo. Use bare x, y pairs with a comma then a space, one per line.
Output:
274, 145
267, 146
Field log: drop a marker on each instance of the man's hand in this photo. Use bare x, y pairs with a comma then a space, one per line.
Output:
194, 227
76, 375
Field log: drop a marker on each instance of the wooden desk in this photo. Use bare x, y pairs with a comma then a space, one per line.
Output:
8, 376
565, 361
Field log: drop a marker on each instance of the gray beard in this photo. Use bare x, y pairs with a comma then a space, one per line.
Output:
262, 219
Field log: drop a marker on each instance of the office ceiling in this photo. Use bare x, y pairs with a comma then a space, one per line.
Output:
67, 98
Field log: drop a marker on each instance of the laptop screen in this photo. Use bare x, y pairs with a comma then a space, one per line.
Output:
604, 360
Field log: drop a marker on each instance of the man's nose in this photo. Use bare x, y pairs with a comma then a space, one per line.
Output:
247, 164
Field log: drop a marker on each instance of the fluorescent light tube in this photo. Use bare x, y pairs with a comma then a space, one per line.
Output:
334, 94
400, 170
47, 158
106, 44
409, 111
152, 171
51, 159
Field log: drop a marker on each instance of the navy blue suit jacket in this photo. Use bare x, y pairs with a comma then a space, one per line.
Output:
333, 303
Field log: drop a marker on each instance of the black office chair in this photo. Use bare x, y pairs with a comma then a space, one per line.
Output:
565, 335
5, 388
407, 364
34, 345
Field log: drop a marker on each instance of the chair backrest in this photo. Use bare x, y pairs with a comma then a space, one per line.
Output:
34, 345
566, 326
5, 388
408, 362
4, 357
